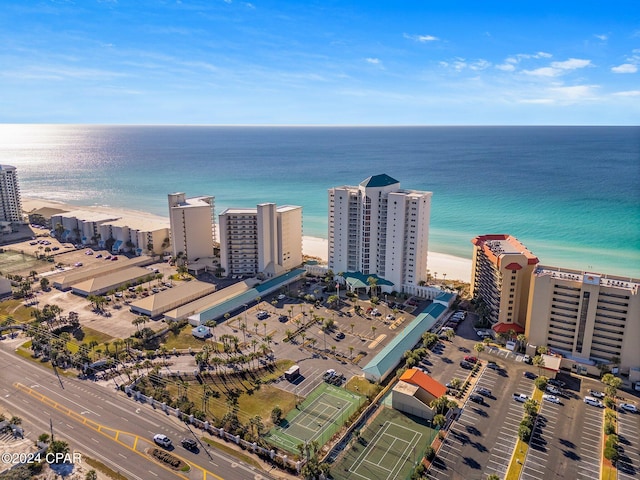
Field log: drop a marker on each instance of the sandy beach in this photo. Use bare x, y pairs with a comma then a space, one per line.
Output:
439, 264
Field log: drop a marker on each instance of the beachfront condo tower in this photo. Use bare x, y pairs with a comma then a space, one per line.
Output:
10, 203
379, 229
500, 279
192, 226
592, 320
266, 239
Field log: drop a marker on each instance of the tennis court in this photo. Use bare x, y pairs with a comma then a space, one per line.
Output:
388, 449
318, 418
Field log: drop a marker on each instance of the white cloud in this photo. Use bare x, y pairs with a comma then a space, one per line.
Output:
571, 64
628, 93
480, 65
506, 67
602, 37
559, 68
573, 93
421, 38
374, 61
625, 68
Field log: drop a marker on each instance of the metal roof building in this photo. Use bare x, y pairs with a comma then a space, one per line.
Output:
389, 357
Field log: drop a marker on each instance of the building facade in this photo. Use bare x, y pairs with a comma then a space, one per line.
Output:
266, 239
192, 226
501, 276
10, 202
591, 319
378, 228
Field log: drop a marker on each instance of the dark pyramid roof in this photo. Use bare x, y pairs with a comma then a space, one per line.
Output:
379, 181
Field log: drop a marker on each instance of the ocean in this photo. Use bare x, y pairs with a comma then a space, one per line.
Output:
570, 194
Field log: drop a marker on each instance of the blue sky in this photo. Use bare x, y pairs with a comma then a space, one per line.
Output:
320, 62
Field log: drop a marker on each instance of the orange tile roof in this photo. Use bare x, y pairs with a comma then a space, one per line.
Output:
424, 381
505, 327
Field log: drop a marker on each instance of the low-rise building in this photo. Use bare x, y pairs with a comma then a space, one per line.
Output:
414, 393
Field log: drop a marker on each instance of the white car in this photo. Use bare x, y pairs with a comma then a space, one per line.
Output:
520, 397
282, 296
162, 440
554, 390
593, 401
596, 393
629, 407
550, 398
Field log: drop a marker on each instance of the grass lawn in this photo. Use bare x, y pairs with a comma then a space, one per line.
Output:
363, 386
16, 309
184, 339
251, 400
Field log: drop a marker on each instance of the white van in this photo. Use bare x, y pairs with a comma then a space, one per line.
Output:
593, 401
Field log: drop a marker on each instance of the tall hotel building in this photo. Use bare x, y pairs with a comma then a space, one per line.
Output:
590, 319
378, 228
500, 276
192, 226
266, 239
10, 204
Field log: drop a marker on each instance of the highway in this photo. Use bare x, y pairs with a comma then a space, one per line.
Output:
106, 425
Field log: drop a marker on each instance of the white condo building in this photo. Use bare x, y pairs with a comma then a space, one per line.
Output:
266, 239
10, 203
377, 228
192, 226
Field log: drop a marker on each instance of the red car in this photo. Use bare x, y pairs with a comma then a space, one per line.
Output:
470, 359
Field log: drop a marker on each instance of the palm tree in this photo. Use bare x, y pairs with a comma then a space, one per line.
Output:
350, 352
373, 282
522, 341
373, 330
538, 361
479, 348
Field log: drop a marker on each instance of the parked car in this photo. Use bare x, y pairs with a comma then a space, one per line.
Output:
99, 255
629, 407
467, 365
471, 359
162, 440
556, 383
189, 443
530, 375
593, 401
476, 398
493, 365
484, 391
339, 335
553, 390
282, 296
527, 359
550, 398
596, 393
262, 315
520, 397
283, 318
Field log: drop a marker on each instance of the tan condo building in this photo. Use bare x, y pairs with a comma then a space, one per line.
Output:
192, 226
593, 320
266, 239
500, 277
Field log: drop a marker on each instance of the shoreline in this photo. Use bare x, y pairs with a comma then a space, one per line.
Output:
439, 264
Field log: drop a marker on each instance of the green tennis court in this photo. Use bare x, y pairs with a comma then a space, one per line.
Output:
388, 449
318, 418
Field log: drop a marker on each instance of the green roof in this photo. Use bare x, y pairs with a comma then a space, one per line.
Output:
380, 365
382, 180
361, 280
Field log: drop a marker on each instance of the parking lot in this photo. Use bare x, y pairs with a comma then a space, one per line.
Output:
629, 436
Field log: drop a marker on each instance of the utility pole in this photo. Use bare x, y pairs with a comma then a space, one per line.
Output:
51, 427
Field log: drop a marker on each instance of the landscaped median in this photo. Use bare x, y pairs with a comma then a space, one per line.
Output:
521, 448
610, 442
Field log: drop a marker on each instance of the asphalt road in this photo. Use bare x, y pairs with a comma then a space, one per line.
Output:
93, 419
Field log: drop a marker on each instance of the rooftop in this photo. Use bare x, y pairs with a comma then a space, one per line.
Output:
497, 245
590, 278
424, 381
381, 180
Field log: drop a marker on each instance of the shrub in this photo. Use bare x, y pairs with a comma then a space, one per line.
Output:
611, 454
609, 428
524, 433
430, 453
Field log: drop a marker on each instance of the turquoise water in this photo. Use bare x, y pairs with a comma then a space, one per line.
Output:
570, 194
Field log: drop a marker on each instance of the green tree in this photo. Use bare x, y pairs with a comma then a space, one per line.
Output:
478, 348
538, 361
91, 475
276, 415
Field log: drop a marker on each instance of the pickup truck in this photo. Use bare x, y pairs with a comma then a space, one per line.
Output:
520, 397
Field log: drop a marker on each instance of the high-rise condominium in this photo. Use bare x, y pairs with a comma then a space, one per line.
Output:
379, 228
